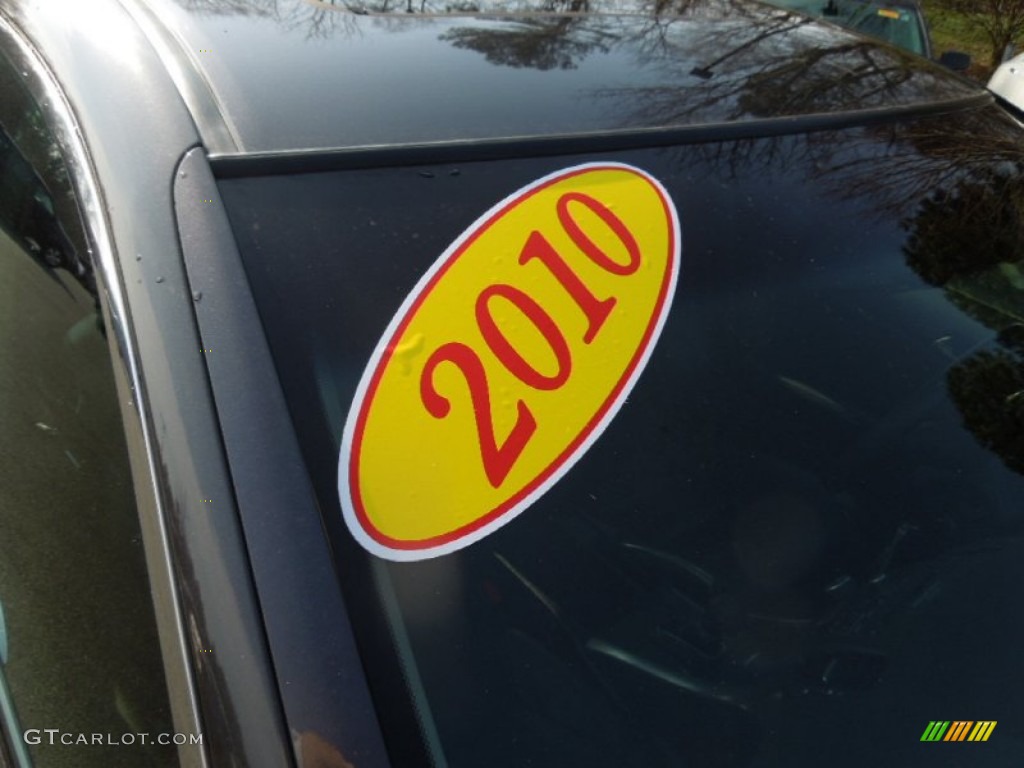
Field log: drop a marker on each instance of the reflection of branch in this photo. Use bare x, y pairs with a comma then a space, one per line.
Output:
233, 7
763, 32
792, 79
322, 18
557, 43
328, 18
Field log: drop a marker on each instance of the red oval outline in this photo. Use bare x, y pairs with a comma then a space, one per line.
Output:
388, 351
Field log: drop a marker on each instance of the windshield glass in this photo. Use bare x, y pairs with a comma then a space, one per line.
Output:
897, 24
800, 533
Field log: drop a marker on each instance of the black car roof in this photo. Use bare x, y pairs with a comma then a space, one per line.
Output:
302, 75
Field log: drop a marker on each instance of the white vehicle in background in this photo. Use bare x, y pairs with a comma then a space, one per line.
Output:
1007, 82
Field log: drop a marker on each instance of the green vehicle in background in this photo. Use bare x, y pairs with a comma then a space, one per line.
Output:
898, 22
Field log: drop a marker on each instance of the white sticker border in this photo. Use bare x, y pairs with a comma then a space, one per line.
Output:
412, 554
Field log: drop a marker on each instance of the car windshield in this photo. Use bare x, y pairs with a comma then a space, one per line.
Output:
897, 24
801, 533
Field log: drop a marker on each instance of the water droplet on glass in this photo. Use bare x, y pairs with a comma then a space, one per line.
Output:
159, 279
197, 295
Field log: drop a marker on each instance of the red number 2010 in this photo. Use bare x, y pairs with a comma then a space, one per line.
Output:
499, 458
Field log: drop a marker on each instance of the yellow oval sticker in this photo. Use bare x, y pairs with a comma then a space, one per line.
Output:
508, 359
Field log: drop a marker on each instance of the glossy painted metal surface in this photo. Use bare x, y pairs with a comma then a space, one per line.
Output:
122, 106
336, 78
319, 672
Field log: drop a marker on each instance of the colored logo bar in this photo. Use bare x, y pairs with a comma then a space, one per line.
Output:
958, 730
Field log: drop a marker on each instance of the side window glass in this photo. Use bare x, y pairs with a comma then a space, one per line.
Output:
81, 677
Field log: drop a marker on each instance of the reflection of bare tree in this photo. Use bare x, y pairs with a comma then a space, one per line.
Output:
967, 237
960, 180
952, 222
925, 160
322, 19
966, 232
1001, 21
557, 39
988, 389
850, 72
238, 7
320, 11
957, 184
934, 173
325, 19
753, 59
763, 65
559, 33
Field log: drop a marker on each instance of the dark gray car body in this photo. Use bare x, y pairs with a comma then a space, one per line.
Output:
152, 101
